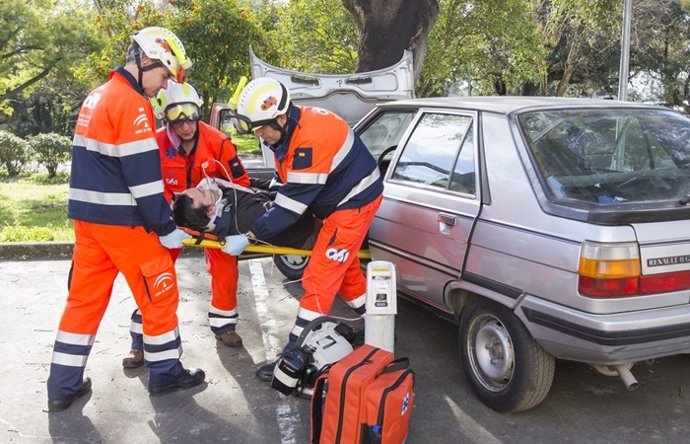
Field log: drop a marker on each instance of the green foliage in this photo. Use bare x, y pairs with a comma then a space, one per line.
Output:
39, 39
50, 150
20, 233
660, 58
117, 21
311, 36
246, 144
487, 44
13, 153
216, 35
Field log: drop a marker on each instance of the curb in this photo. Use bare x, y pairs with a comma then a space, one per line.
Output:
54, 250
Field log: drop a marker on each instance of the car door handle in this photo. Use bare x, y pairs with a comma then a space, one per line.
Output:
447, 219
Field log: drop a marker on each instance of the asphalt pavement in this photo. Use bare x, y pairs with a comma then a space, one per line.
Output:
233, 406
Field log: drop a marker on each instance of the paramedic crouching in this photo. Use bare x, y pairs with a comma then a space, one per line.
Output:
324, 169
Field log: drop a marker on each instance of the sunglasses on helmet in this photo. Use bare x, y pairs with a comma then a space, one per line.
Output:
182, 111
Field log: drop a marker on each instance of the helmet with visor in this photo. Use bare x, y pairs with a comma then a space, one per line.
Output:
259, 104
179, 102
163, 46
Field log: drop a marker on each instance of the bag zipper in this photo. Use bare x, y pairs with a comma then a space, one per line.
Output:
343, 386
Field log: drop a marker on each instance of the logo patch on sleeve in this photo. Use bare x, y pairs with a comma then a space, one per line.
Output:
236, 167
302, 158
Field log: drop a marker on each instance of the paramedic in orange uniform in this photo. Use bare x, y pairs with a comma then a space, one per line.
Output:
324, 169
190, 151
122, 222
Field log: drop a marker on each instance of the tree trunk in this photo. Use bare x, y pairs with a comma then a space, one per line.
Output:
571, 61
387, 28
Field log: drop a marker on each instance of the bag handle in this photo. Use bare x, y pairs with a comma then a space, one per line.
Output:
397, 364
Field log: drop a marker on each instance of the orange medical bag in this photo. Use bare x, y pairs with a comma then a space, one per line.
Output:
366, 397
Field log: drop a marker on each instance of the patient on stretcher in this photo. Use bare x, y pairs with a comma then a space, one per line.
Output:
223, 208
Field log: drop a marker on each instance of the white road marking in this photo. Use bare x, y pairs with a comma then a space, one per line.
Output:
289, 421
269, 330
471, 429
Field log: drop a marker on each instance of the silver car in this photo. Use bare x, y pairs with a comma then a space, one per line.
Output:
547, 227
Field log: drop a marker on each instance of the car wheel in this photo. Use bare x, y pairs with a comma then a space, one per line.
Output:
292, 266
507, 369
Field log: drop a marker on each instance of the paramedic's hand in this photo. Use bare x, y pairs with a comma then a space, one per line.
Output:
235, 245
173, 239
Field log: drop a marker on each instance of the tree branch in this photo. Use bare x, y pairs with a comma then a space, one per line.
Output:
20, 50
13, 92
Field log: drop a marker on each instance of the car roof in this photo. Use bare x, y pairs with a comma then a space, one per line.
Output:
509, 104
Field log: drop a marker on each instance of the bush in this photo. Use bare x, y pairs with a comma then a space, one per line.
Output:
50, 150
13, 153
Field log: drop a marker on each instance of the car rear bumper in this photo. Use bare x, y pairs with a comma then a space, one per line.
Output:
606, 339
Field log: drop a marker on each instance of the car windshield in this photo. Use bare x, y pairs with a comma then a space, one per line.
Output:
610, 156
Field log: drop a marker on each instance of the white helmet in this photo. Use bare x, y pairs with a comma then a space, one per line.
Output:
178, 101
161, 44
260, 102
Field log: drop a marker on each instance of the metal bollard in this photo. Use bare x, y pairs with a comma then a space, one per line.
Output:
381, 304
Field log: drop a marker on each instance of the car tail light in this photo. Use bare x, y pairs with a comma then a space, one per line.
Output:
609, 270
613, 270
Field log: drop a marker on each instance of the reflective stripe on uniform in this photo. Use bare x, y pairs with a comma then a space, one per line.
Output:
307, 178
290, 204
357, 302
74, 338
162, 339
69, 360
362, 185
119, 150
308, 314
226, 313
221, 322
136, 328
98, 197
304, 316
163, 355
147, 189
344, 149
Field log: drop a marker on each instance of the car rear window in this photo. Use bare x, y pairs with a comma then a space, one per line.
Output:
620, 156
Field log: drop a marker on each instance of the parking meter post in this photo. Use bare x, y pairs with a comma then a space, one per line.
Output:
381, 304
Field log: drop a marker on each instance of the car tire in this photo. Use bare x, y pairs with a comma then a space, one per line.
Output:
506, 368
292, 266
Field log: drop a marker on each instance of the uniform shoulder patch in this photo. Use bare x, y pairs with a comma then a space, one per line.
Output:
302, 158
236, 167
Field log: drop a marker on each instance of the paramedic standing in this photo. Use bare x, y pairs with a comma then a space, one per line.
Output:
190, 151
122, 222
324, 169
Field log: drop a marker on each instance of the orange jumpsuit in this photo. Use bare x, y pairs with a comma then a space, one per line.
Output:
325, 169
214, 155
116, 202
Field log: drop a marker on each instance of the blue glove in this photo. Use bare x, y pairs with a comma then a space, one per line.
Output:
235, 245
173, 239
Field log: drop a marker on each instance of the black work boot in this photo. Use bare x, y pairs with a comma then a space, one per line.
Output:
265, 372
190, 378
230, 338
62, 404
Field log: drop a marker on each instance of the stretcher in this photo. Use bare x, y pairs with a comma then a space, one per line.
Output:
263, 249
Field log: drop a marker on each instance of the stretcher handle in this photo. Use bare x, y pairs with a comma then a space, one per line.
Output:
268, 249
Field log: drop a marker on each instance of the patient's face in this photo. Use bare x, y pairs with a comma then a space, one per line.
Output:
201, 197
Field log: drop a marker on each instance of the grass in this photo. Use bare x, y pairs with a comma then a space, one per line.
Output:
33, 207
246, 144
